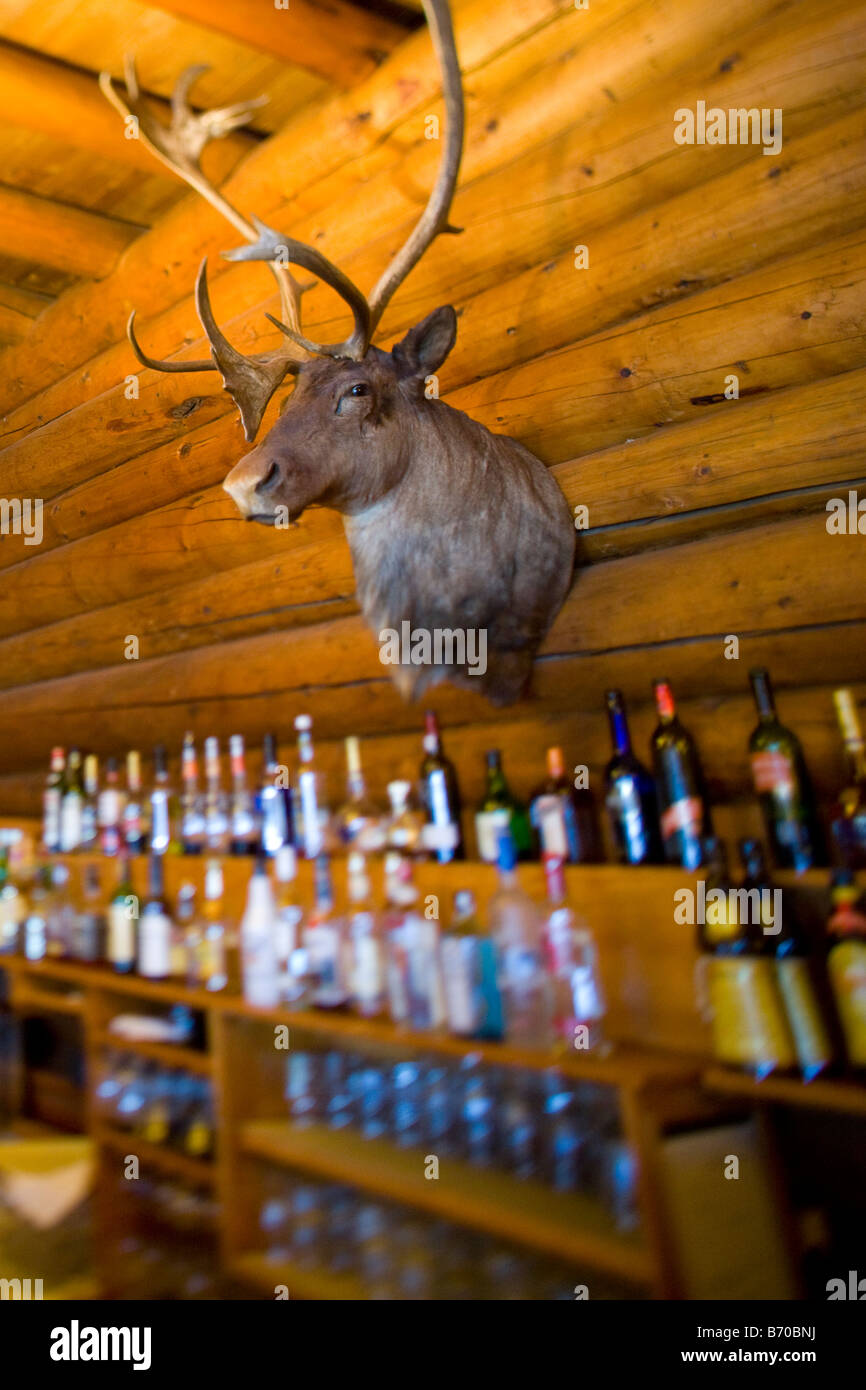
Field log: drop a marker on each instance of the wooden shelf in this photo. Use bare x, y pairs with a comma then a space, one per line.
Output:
569, 1226
316, 1285
168, 1054
39, 1001
843, 1097
195, 1170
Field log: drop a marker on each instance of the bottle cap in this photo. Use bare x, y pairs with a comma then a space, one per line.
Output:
303, 722
555, 762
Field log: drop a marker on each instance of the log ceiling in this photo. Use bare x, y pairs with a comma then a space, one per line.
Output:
706, 515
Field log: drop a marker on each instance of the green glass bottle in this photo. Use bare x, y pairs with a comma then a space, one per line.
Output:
782, 784
500, 811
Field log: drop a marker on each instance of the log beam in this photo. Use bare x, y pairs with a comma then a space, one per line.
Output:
66, 238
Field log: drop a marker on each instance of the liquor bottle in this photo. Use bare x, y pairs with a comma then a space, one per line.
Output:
13, 908
469, 976
275, 801
35, 929
122, 948
261, 985
110, 811
244, 821
186, 934
849, 818
440, 798
210, 955
72, 805
572, 958
52, 797
564, 817
61, 916
782, 784
287, 933
217, 828
368, 984
89, 839
155, 924
630, 794
684, 813
405, 830
360, 824
192, 827
134, 829
500, 811
398, 897
163, 808
776, 934
737, 980
517, 928
846, 965
311, 814
88, 936
325, 943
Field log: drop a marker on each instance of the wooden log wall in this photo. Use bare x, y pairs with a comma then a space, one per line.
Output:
706, 515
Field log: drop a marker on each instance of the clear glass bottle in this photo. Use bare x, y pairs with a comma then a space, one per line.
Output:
89, 838
360, 823
155, 926
52, 797
122, 948
440, 796
110, 811
164, 808
274, 801
311, 808
135, 833
217, 828
469, 974
368, 983
72, 805
244, 818
406, 822
261, 985
517, 928
192, 824
578, 1001
326, 944
288, 937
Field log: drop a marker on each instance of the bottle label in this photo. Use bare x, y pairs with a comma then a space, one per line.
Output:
749, 1024
441, 836
687, 814
160, 832
586, 995
211, 960
323, 946
71, 818
551, 813
461, 996
398, 975
286, 932
369, 981
804, 1016
773, 772
847, 966
488, 827
154, 945
312, 830
51, 818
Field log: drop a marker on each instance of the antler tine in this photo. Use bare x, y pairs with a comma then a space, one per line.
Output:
274, 247
434, 219
250, 380
157, 364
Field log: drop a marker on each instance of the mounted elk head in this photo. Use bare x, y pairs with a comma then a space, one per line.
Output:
458, 536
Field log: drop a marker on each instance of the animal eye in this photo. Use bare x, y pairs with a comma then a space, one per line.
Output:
359, 389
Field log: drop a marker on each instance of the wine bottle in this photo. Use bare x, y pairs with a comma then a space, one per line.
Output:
440, 798
211, 965
155, 925
630, 794
782, 784
89, 838
564, 816
275, 801
846, 965
311, 813
500, 811
849, 817
72, 805
749, 1025
88, 938
776, 933
52, 797
683, 806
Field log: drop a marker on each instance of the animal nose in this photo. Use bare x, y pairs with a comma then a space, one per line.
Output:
246, 478
270, 479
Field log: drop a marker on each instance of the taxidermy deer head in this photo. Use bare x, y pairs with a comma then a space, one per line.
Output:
461, 540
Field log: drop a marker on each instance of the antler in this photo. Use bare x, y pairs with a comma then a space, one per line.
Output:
252, 380
434, 219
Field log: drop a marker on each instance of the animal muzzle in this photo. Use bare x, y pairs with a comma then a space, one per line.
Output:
250, 485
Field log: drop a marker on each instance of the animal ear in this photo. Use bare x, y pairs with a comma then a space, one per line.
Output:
426, 346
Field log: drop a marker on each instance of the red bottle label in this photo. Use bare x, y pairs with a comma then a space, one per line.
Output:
685, 814
773, 772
